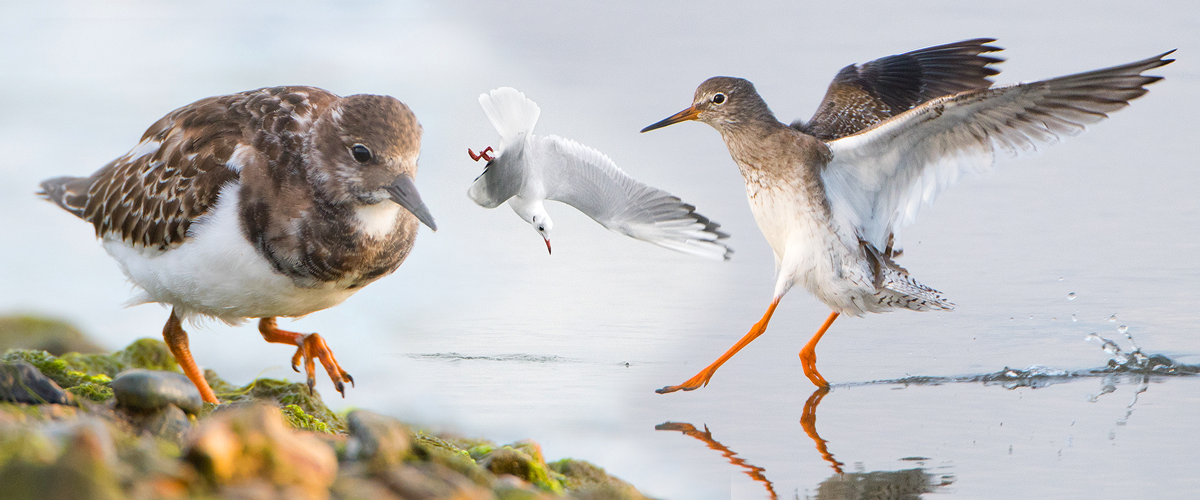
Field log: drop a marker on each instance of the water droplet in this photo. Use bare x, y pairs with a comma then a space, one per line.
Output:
1074, 319
1123, 329
1113, 318
1060, 278
1071, 296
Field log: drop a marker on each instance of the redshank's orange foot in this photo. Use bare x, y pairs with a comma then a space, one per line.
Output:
482, 154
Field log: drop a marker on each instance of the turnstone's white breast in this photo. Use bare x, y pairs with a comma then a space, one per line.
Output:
272, 202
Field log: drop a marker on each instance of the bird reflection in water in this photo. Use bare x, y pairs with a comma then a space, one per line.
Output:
907, 484
755, 472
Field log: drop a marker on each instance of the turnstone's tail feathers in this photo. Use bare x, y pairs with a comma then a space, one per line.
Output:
69, 193
511, 113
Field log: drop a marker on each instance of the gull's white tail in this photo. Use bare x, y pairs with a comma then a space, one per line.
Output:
510, 112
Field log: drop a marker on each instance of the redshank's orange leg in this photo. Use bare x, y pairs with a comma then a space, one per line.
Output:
701, 379
308, 347
808, 421
808, 355
177, 341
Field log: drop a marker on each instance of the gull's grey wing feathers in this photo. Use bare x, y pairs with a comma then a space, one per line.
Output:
863, 95
500, 180
879, 177
592, 183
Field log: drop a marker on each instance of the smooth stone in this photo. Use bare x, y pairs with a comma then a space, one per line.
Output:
169, 423
149, 390
380, 441
21, 382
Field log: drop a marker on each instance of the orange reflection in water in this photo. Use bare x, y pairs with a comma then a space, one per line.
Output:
808, 421
755, 472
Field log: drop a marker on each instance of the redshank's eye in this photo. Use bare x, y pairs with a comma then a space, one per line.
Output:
718, 98
361, 153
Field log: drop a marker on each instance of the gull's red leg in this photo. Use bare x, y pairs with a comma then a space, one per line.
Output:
482, 154
808, 355
177, 341
309, 347
701, 379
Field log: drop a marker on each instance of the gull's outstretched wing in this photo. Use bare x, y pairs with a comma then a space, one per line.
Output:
863, 95
513, 115
589, 181
879, 177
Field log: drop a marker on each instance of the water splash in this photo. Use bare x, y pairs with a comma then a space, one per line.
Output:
526, 358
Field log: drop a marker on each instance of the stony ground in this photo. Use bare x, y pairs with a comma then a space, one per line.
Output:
129, 425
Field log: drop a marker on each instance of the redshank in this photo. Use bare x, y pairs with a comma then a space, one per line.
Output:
890, 135
272, 202
530, 169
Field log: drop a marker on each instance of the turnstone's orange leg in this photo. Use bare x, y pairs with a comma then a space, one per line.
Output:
308, 347
177, 341
701, 379
482, 154
808, 355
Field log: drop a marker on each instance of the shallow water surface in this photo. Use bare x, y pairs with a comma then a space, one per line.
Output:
481, 332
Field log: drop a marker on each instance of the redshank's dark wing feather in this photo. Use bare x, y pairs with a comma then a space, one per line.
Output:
863, 95
151, 195
592, 183
879, 177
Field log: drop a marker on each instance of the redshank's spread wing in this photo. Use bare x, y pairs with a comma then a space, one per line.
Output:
863, 95
879, 177
589, 181
151, 195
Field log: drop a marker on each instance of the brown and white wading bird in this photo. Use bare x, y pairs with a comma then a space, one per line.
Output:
271, 202
890, 134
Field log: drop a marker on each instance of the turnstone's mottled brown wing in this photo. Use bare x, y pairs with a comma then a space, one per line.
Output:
151, 195
863, 95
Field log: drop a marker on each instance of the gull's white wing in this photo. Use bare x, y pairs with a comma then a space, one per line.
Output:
589, 181
879, 177
513, 115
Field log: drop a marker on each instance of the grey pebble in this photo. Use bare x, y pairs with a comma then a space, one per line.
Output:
149, 390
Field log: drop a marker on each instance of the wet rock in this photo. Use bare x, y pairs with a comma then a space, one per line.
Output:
20, 382
168, 422
43, 334
149, 390
432, 480
589, 482
523, 460
317, 417
76, 462
237, 449
380, 441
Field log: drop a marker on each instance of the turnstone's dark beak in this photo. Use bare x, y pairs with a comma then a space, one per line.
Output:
404, 192
688, 114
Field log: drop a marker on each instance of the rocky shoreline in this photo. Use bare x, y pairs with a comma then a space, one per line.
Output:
129, 425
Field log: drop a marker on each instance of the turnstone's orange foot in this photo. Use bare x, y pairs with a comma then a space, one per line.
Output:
309, 347
483, 155
830, 193
279, 201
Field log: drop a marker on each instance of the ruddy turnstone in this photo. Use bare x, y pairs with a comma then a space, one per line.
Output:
272, 202
890, 134
530, 169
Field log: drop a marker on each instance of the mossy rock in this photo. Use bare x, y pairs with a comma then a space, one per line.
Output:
313, 415
434, 449
88, 375
586, 481
43, 334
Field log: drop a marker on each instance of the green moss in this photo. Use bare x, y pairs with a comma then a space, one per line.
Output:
151, 354
516, 461
281, 393
438, 450
92, 391
296, 417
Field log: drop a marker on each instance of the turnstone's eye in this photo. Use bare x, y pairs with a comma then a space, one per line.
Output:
719, 98
361, 153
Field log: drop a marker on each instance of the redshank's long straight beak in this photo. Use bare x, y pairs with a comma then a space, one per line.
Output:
688, 114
